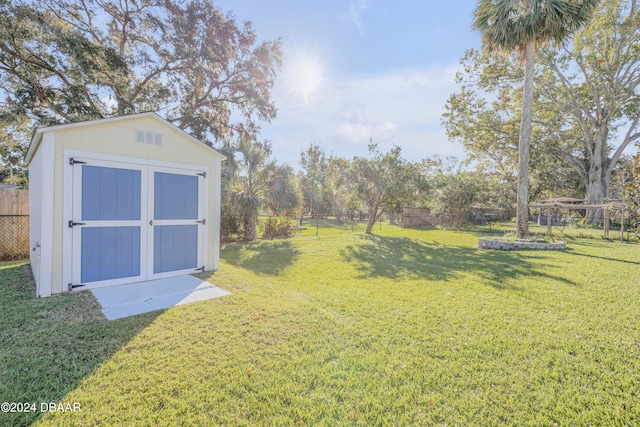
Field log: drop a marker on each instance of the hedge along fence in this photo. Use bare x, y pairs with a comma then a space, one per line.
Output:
279, 227
14, 224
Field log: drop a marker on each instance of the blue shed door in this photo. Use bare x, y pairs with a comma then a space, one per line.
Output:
108, 223
177, 216
135, 222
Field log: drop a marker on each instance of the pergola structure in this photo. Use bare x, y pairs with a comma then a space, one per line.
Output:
574, 204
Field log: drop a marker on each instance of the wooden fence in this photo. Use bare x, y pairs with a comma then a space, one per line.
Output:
14, 224
419, 217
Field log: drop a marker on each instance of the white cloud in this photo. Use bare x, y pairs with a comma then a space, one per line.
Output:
402, 107
352, 126
354, 14
361, 133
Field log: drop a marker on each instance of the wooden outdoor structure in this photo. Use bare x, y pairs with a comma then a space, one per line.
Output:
555, 205
14, 224
550, 215
419, 217
496, 214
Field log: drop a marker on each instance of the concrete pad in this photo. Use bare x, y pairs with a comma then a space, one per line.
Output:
137, 298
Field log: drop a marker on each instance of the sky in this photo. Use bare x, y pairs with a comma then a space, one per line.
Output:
357, 70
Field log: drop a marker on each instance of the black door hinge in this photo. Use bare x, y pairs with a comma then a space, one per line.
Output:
73, 161
71, 223
71, 287
202, 221
200, 269
202, 174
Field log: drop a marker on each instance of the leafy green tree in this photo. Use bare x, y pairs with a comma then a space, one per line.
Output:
72, 60
597, 83
314, 165
456, 194
337, 188
518, 25
484, 117
12, 151
625, 189
383, 181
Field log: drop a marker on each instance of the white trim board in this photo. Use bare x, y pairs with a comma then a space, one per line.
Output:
46, 237
68, 153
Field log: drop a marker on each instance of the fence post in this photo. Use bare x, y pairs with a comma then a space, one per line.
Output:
622, 225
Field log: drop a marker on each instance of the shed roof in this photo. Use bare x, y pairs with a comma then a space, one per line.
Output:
37, 136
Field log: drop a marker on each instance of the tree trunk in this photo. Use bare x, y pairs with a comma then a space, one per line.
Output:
595, 196
522, 216
595, 185
373, 216
249, 229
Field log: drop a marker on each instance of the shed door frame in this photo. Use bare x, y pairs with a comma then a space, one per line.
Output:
70, 262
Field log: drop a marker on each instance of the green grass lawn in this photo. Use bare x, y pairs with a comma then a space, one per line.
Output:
406, 327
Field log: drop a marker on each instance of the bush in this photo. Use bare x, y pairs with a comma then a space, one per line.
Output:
230, 223
278, 227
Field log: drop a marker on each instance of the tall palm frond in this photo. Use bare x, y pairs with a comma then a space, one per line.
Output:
506, 25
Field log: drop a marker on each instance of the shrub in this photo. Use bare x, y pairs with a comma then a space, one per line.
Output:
230, 223
278, 227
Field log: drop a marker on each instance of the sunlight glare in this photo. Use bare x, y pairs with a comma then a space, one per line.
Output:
304, 77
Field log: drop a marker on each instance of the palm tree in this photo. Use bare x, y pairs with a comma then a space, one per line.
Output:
518, 26
260, 182
249, 171
283, 195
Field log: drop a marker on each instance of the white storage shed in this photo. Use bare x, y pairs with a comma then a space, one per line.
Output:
121, 200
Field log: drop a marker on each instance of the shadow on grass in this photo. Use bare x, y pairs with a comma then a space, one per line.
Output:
263, 257
398, 257
48, 345
604, 258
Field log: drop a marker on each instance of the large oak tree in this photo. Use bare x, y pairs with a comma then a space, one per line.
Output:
65, 61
